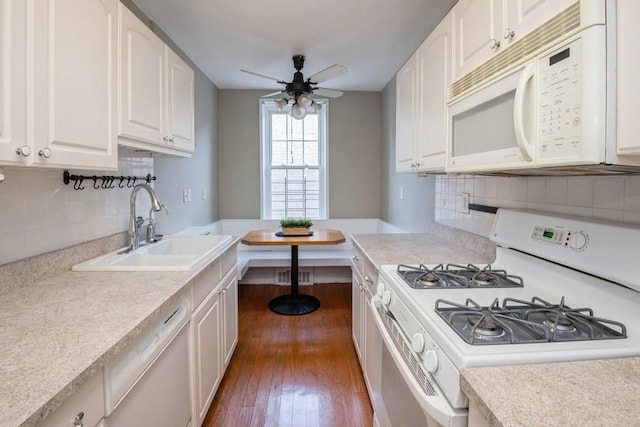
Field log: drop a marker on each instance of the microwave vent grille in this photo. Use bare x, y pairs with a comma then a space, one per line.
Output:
521, 50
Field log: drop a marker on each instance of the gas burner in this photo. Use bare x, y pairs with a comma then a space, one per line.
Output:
456, 276
517, 322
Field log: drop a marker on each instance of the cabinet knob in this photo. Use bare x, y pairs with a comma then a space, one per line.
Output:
494, 44
77, 421
509, 33
165, 139
46, 153
24, 151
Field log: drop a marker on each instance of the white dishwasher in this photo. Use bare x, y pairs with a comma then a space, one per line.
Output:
148, 384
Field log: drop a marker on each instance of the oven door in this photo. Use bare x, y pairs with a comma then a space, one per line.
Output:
403, 400
494, 128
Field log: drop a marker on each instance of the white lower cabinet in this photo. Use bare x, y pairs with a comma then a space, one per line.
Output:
206, 333
214, 335
84, 408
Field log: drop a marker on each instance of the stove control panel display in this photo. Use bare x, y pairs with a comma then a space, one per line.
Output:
575, 240
549, 235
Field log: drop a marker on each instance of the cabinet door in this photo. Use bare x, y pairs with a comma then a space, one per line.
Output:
406, 126
180, 102
477, 23
142, 80
206, 357
230, 317
356, 315
75, 58
13, 92
524, 16
434, 73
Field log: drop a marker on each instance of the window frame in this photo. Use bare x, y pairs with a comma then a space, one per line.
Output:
267, 109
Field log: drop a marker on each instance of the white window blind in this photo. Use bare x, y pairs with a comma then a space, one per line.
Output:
294, 164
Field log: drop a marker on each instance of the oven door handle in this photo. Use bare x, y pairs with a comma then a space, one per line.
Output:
437, 406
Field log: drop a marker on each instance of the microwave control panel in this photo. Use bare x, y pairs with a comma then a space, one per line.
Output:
560, 102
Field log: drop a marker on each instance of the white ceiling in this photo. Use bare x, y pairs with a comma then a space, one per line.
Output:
372, 38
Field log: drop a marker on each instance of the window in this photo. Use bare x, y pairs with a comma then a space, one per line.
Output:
293, 164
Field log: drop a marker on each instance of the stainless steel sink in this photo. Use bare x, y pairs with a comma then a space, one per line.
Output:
179, 253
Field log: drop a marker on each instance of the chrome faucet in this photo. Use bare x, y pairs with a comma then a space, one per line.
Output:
134, 223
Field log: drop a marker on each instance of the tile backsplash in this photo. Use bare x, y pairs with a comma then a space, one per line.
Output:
614, 198
39, 213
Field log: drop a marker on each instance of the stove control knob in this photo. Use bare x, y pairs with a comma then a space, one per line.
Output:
380, 289
386, 297
417, 343
430, 361
578, 240
375, 301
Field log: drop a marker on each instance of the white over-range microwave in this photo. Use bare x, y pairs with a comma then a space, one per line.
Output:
555, 109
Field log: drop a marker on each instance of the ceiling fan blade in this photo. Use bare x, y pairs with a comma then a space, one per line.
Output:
329, 93
263, 76
328, 73
280, 92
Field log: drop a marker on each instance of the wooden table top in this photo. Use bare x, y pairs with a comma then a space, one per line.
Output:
268, 237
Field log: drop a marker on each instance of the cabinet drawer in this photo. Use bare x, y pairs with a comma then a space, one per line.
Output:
357, 260
205, 282
228, 260
88, 401
370, 275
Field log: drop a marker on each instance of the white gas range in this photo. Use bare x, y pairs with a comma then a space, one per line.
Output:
560, 289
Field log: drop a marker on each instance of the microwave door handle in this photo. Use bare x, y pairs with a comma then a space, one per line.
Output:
518, 113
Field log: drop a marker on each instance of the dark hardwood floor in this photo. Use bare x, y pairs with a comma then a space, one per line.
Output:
293, 370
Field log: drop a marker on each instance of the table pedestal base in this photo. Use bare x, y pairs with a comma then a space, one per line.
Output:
294, 304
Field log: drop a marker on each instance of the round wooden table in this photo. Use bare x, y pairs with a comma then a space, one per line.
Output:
293, 303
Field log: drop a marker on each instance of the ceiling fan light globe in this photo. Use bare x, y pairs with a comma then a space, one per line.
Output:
305, 100
298, 111
281, 103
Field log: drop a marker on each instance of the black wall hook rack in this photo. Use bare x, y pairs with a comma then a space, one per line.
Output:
105, 181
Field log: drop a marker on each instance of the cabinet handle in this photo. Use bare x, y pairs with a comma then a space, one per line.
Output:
77, 422
46, 153
509, 33
368, 279
494, 44
355, 258
24, 151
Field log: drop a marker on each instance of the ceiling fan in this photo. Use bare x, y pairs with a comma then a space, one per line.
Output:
301, 90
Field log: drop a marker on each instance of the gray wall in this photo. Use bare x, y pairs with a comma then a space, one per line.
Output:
198, 172
416, 210
354, 155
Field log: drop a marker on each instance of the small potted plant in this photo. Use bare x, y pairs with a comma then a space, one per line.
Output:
295, 226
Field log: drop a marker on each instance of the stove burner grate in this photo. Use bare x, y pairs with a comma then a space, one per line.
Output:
518, 322
456, 276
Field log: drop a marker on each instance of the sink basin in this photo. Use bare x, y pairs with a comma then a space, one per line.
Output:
176, 253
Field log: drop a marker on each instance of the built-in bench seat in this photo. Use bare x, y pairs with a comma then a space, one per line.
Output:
279, 257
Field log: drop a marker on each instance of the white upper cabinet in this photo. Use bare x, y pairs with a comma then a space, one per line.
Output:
477, 26
434, 77
71, 109
406, 115
180, 102
485, 27
156, 92
421, 104
13, 72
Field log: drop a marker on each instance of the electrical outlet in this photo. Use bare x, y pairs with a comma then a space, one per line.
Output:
462, 203
188, 194
204, 194
185, 196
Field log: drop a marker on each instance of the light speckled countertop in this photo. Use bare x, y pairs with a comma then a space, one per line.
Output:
590, 393
56, 333
384, 249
